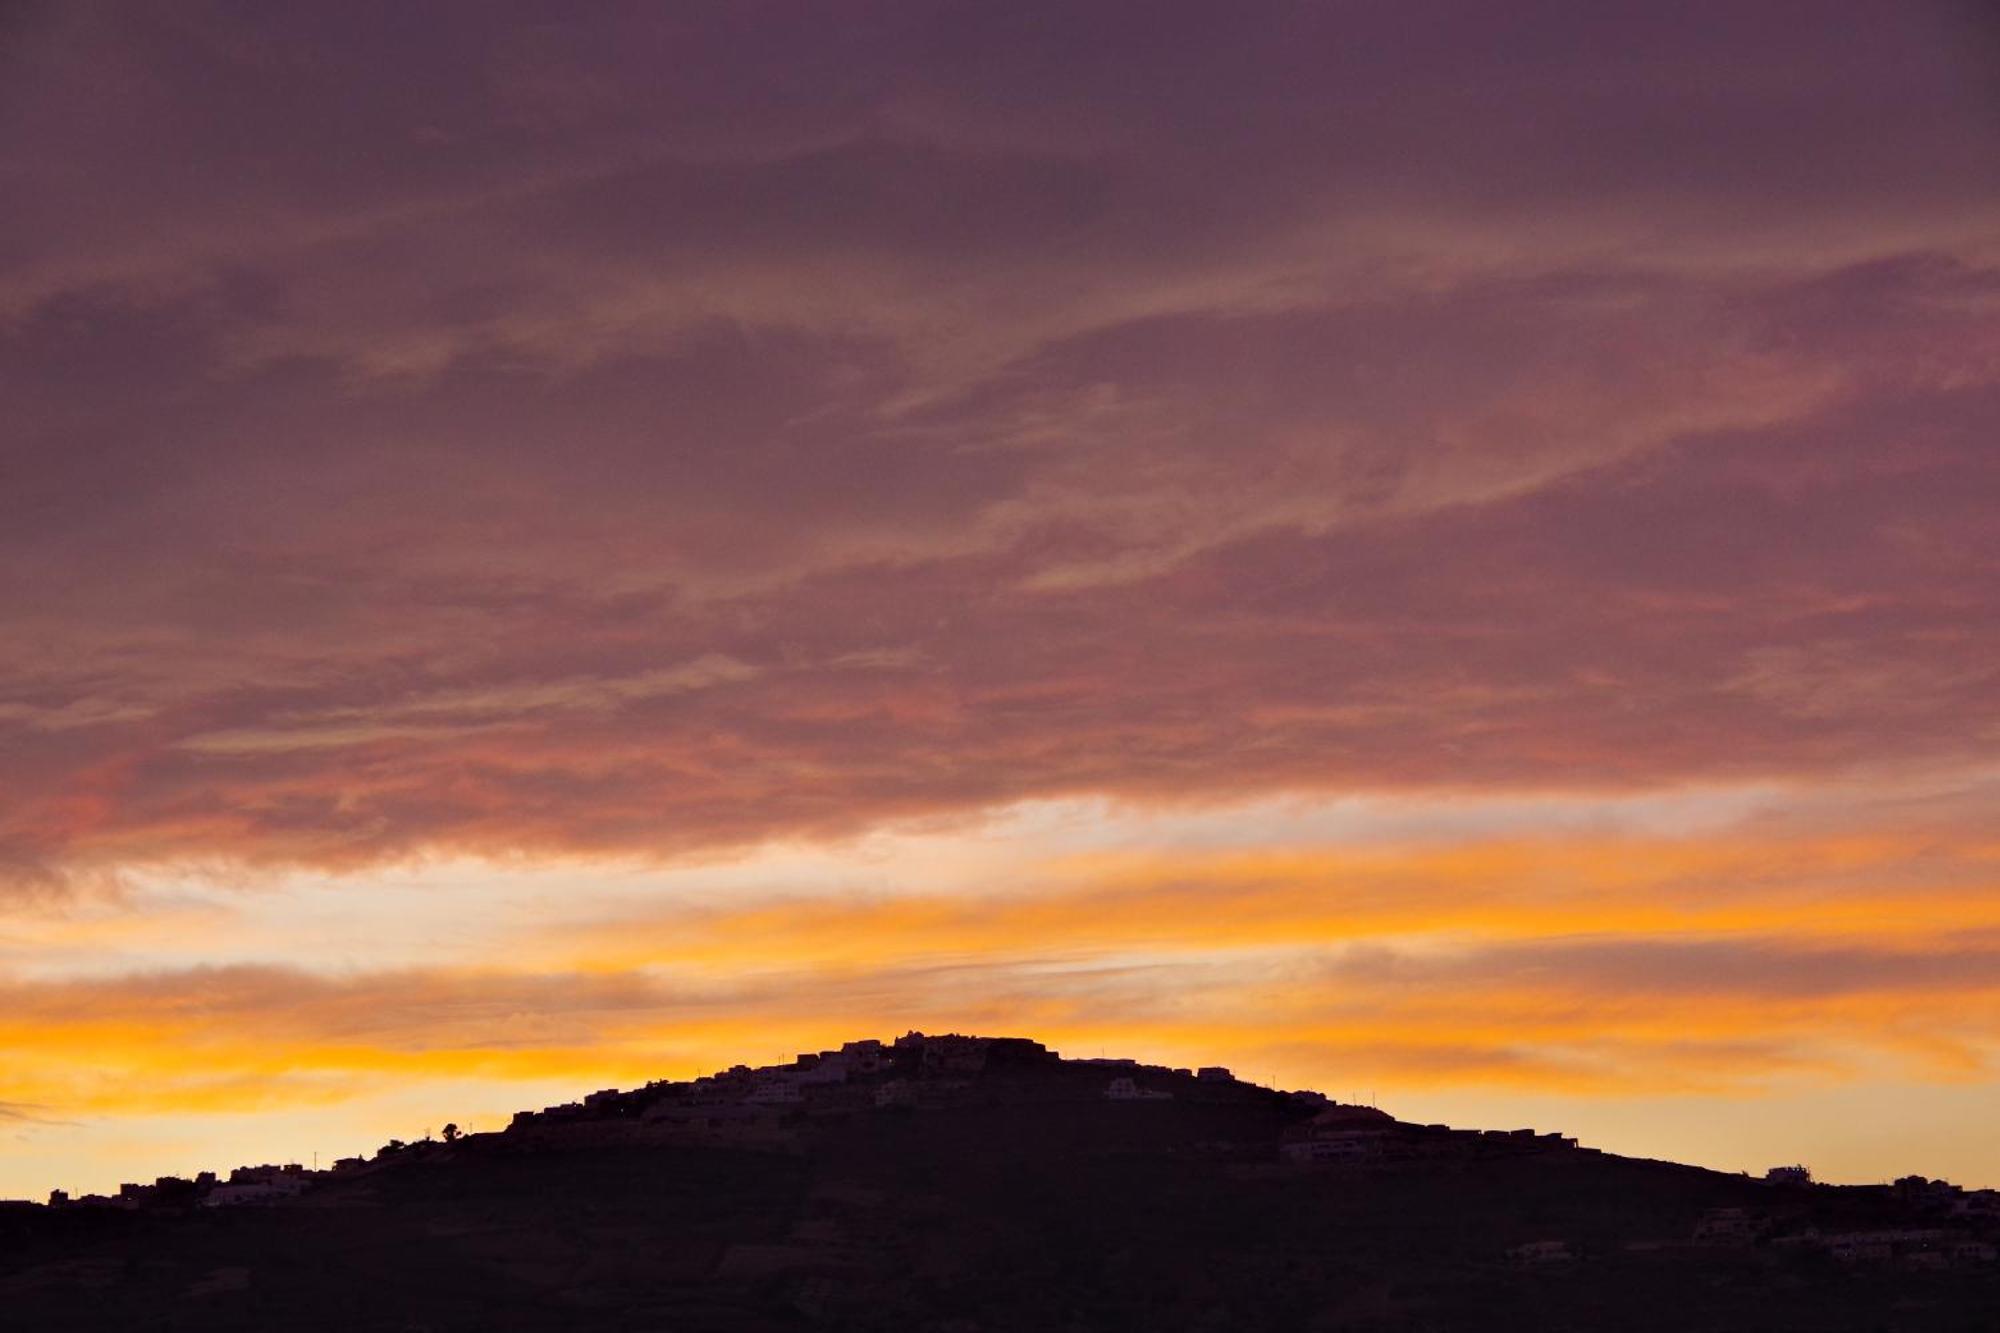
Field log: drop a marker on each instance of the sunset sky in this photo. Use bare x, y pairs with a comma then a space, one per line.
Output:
1447, 553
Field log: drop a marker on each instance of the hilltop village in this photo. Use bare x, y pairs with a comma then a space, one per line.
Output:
782, 1107
778, 1106
963, 1184
788, 1108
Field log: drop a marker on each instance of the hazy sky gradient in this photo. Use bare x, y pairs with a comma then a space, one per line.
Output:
1444, 551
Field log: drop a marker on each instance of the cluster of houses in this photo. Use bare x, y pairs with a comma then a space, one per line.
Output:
1953, 1229
1912, 1246
1934, 1248
1949, 1200
1938, 1225
742, 1105
773, 1106
246, 1185
764, 1106
1127, 1087
1360, 1134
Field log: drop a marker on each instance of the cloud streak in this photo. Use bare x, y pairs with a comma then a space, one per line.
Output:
1580, 965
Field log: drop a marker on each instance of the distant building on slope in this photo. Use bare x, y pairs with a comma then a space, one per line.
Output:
1127, 1089
1537, 1252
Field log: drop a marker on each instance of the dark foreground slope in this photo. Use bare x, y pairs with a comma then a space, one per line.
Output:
1016, 1198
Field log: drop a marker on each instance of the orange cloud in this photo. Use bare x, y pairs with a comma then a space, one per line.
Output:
1590, 964
1860, 886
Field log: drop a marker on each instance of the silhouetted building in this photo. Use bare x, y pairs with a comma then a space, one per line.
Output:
1344, 1146
1729, 1226
1128, 1090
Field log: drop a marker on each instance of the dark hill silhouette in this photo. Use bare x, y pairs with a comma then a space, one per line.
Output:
960, 1183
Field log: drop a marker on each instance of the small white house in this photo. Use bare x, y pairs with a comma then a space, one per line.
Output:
1126, 1089
896, 1092
1542, 1252
775, 1092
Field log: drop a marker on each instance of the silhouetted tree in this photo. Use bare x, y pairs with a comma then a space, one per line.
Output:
450, 1133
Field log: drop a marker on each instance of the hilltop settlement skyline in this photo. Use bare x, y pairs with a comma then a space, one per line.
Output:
905, 1183
774, 1108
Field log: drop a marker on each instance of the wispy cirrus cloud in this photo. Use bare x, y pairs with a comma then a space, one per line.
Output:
442, 714
1708, 612
27, 1113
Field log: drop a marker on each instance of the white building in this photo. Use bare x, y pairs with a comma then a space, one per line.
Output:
864, 1057
830, 1068
1728, 1226
1125, 1089
775, 1092
1347, 1146
896, 1092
